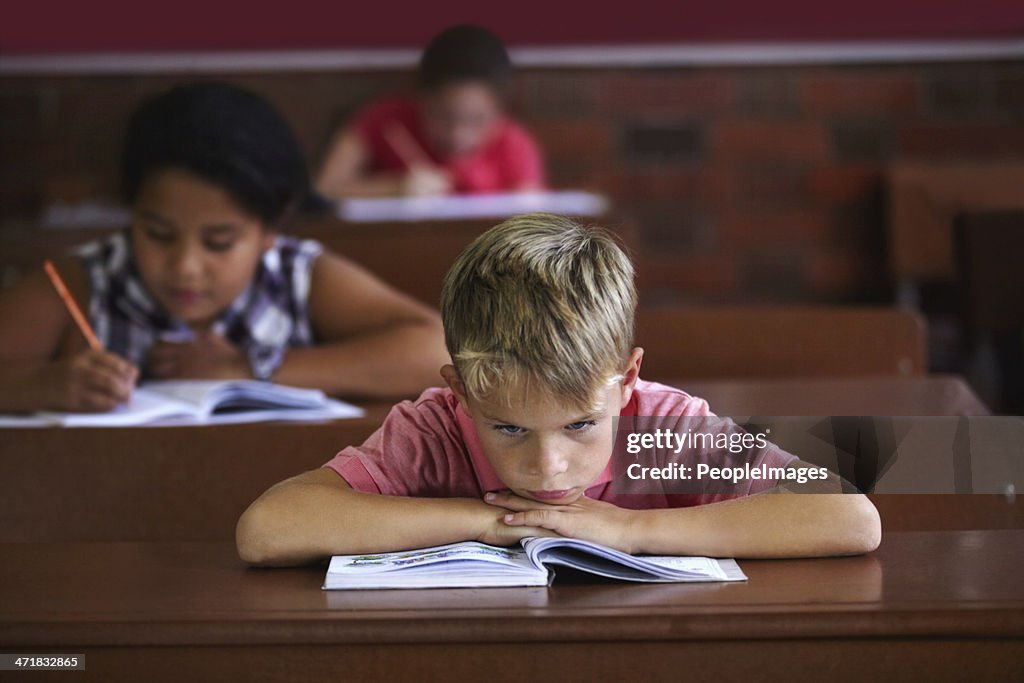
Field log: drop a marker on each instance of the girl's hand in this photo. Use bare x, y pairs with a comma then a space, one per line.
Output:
207, 356
586, 519
426, 181
91, 381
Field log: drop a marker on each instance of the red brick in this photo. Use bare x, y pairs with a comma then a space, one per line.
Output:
768, 93
1009, 96
564, 173
768, 141
844, 183
685, 272
959, 93
835, 273
860, 93
773, 184
956, 141
545, 93
581, 139
708, 185
669, 92
773, 272
802, 228
315, 104
100, 106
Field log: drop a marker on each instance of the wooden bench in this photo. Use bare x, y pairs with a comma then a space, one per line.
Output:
789, 341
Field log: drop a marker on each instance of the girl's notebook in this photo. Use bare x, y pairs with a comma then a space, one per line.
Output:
206, 402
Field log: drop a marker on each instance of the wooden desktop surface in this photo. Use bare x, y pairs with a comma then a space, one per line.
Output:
940, 605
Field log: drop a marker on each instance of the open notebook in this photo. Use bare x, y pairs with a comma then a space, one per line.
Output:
471, 564
204, 402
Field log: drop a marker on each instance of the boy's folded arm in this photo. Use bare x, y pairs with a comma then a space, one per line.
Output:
316, 514
818, 522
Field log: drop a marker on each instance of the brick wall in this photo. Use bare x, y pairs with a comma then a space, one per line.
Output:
746, 184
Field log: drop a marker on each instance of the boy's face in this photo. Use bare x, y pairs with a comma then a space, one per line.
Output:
459, 117
543, 449
196, 249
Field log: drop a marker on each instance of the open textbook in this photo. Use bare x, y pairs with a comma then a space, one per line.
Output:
471, 564
454, 207
204, 402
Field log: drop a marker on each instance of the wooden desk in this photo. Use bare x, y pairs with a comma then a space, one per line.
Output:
413, 257
925, 197
192, 483
925, 606
166, 483
780, 341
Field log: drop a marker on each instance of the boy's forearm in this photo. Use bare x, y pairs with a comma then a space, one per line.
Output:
767, 525
303, 523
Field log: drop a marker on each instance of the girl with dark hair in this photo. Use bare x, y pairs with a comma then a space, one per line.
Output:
202, 284
453, 136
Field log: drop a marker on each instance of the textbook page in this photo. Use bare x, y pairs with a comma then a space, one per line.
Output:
601, 560
471, 564
449, 207
468, 564
207, 396
203, 402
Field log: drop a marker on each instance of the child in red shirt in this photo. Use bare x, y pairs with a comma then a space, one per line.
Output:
451, 137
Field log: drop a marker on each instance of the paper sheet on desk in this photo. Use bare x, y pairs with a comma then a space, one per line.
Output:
199, 402
495, 205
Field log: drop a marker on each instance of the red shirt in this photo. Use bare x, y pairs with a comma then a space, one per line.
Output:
508, 159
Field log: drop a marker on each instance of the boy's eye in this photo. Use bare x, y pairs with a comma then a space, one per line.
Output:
579, 426
508, 429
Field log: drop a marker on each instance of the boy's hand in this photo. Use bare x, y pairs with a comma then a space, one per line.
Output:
500, 533
91, 381
207, 356
586, 519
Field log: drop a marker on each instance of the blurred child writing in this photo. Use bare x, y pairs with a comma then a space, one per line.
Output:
452, 137
202, 285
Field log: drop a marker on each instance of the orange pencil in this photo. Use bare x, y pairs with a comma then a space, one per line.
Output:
73, 309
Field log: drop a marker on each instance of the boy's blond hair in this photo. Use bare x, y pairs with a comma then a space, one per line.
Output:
539, 301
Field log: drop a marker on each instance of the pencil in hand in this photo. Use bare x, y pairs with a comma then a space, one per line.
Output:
405, 146
423, 177
73, 309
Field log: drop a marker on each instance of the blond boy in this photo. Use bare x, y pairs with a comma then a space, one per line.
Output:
538, 317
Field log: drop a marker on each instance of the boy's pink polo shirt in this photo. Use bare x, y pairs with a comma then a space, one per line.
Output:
430, 448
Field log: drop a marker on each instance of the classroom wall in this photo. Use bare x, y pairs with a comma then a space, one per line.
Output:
744, 183
121, 25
